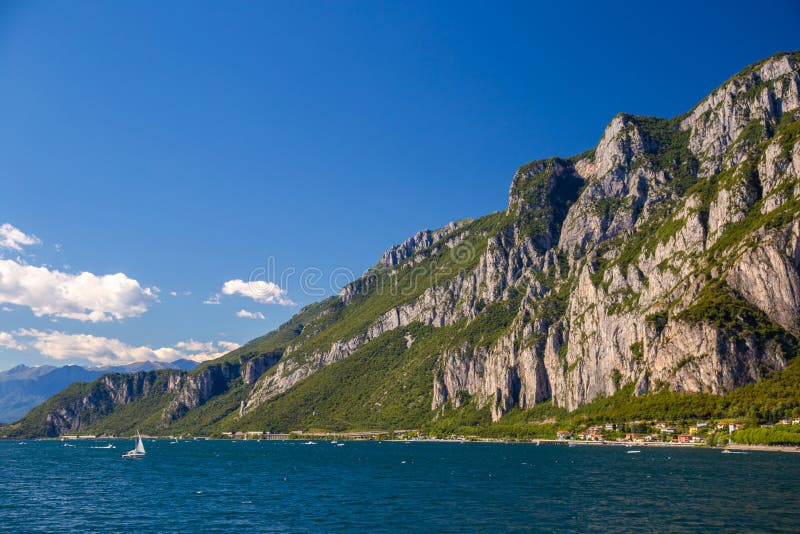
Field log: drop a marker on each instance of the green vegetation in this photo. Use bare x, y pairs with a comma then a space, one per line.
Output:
470, 420
671, 154
637, 351
388, 387
719, 305
783, 435
546, 189
657, 320
788, 132
606, 208
752, 134
616, 379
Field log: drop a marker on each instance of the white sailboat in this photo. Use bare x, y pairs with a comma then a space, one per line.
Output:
137, 452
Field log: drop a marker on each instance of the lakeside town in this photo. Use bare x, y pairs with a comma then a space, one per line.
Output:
719, 433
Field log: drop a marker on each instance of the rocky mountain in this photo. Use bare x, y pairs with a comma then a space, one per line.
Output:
666, 259
23, 387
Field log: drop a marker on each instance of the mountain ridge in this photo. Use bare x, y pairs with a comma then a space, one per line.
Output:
666, 259
23, 387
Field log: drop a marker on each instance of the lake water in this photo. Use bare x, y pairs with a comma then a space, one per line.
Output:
289, 486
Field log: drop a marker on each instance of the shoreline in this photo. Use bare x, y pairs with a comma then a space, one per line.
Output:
768, 448
628, 445
569, 443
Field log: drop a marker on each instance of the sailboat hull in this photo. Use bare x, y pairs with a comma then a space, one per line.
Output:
138, 451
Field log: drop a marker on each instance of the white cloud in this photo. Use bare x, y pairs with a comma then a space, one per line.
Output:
109, 351
173, 293
7, 309
244, 314
213, 299
258, 290
14, 238
8, 341
196, 346
84, 296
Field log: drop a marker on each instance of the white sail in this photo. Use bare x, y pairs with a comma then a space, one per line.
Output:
137, 452
139, 445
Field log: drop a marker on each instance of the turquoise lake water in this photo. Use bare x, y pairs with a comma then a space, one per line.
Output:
389, 486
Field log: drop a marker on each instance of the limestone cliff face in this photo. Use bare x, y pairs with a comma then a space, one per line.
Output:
612, 251
198, 388
419, 241
620, 276
75, 414
701, 358
767, 275
762, 93
253, 368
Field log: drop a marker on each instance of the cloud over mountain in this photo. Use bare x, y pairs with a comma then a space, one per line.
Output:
109, 351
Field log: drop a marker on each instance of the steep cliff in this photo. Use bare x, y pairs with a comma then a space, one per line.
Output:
84, 404
667, 258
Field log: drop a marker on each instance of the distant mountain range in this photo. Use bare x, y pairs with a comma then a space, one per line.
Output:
23, 387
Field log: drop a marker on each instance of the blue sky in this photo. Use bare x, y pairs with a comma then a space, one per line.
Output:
184, 144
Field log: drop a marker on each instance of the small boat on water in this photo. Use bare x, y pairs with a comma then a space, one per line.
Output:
138, 451
633, 452
309, 443
109, 446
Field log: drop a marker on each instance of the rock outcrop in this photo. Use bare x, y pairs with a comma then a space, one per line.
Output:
198, 388
65, 415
